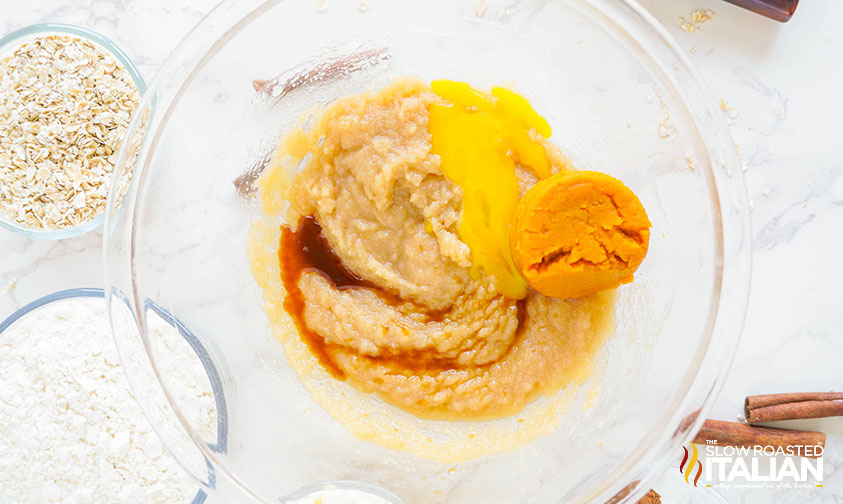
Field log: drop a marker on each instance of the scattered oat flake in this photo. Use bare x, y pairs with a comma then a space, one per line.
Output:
693, 50
731, 112
480, 8
739, 151
697, 19
666, 128
686, 25
65, 106
701, 16
362, 6
321, 5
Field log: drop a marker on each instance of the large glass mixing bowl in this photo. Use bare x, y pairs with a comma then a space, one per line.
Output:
620, 97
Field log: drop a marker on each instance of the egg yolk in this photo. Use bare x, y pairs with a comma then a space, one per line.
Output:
479, 138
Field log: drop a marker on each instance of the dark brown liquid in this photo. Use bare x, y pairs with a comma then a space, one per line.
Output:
780, 10
306, 250
313, 253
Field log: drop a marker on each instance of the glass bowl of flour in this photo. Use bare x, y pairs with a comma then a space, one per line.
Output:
70, 428
620, 97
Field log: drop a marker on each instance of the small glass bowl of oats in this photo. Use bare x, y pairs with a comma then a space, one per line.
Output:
67, 96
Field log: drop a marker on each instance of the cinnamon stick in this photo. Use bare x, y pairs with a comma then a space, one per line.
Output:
772, 407
802, 443
652, 497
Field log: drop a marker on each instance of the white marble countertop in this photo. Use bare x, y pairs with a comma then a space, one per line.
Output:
782, 85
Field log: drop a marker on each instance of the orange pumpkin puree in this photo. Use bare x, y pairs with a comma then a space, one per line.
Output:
577, 233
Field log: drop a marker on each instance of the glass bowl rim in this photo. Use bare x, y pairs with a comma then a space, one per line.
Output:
112, 48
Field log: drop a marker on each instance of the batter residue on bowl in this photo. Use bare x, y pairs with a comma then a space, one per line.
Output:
374, 269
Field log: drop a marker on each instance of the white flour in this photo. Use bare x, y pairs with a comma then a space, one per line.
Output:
70, 430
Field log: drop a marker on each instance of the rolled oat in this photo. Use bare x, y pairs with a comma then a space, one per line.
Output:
65, 105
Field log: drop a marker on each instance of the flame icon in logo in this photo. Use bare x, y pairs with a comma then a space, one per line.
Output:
690, 464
